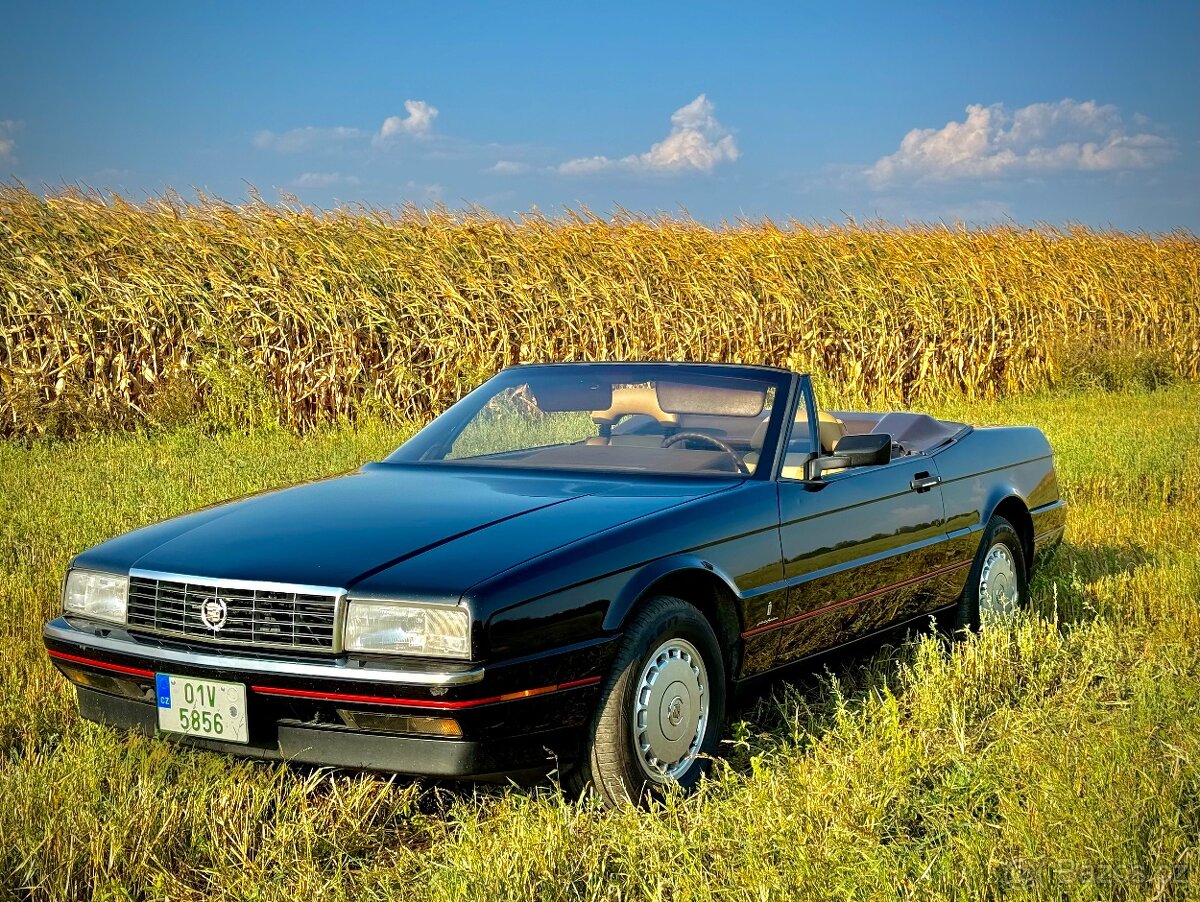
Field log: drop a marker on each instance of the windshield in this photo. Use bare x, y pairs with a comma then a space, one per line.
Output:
652, 418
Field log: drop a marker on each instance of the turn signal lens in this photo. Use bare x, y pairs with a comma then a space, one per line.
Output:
103, 682
400, 723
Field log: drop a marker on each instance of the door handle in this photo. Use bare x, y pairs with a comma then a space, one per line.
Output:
923, 482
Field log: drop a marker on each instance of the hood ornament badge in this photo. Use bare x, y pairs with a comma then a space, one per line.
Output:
213, 612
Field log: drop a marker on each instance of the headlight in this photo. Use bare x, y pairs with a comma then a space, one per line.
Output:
403, 628
97, 595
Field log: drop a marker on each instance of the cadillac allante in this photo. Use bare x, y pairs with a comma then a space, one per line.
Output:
571, 569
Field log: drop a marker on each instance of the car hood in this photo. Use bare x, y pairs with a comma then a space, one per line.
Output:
360, 527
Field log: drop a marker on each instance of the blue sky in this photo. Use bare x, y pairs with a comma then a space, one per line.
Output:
1068, 112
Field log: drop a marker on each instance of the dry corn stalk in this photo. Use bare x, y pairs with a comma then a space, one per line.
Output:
108, 308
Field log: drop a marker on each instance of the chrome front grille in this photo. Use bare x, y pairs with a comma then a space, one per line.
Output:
272, 615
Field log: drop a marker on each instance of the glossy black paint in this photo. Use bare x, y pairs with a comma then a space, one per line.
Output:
858, 532
551, 565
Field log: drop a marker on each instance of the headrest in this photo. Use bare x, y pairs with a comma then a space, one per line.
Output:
832, 429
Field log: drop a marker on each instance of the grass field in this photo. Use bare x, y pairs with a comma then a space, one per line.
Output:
1056, 757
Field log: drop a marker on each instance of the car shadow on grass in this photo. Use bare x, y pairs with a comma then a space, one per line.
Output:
1065, 589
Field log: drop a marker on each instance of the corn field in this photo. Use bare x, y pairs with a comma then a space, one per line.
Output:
115, 315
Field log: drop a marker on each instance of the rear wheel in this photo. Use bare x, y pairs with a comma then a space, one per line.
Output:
661, 711
997, 586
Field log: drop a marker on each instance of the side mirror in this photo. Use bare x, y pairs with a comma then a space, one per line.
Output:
853, 451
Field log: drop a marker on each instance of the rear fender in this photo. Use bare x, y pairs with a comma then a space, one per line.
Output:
1007, 501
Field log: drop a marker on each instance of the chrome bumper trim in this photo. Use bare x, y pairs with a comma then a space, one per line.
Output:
61, 631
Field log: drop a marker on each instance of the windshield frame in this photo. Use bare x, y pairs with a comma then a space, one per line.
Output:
444, 429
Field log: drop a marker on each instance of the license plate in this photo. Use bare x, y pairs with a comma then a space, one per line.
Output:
195, 707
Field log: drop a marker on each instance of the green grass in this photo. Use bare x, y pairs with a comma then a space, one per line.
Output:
1057, 757
496, 431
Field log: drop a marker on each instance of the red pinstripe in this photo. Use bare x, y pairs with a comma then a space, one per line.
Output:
779, 624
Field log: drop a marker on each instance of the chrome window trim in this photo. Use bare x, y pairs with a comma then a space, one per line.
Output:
338, 670
338, 594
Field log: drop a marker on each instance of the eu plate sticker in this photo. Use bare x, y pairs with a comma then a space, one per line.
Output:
162, 687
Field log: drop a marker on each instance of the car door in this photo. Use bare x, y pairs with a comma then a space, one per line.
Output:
862, 548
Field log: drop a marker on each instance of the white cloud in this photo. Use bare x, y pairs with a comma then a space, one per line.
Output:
324, 180
697, 143
1042, 137
418, 122
308, 138
587, 165
8, 140
431, 193
508, 167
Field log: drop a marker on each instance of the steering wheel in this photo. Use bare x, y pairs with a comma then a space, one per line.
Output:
712, 440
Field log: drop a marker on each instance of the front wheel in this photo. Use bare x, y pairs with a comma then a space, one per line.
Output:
998, 585
661, 711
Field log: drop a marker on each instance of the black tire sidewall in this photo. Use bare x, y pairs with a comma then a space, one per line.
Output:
613, 763
998, 530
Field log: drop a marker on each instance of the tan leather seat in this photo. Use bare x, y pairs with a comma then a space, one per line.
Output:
750, 458
831, 430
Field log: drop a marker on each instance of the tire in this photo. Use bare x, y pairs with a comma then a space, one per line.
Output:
998, 584
668, 675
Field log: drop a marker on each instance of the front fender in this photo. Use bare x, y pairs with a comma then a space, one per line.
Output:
688, 564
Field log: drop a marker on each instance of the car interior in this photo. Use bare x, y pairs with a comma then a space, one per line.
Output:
635, 418
722, 425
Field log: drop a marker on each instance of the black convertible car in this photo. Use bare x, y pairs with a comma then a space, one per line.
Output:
570, 569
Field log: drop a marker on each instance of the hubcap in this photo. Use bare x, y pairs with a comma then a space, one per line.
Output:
670, 712
999, 590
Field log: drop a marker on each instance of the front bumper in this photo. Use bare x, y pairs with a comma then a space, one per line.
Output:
520, 716
327, 745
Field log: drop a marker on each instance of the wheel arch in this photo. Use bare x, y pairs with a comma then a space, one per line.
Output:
1012, 507
696, 581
